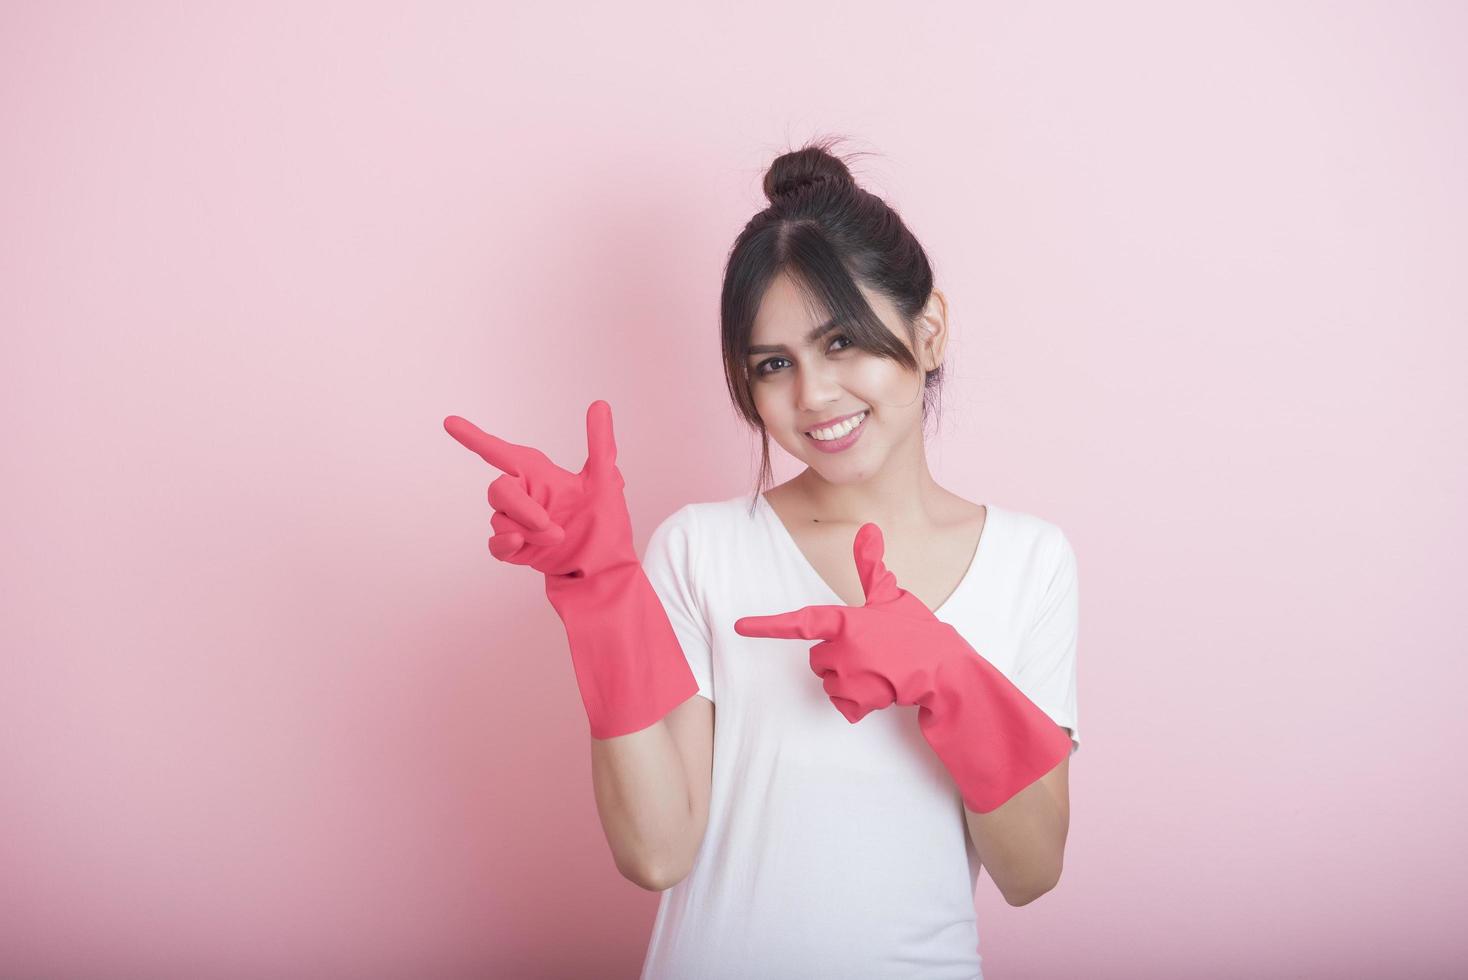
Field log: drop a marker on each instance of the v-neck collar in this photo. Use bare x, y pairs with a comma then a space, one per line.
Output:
968, 573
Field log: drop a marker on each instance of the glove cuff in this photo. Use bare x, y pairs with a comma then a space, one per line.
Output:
629, 665
993, 739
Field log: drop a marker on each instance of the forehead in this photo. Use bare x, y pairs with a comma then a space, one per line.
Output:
787, 313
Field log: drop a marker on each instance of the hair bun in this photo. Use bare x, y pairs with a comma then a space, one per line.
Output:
805, 167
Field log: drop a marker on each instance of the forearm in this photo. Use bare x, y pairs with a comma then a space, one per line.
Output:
642, 797
629, 667
1022, 842
631, 673
999, 747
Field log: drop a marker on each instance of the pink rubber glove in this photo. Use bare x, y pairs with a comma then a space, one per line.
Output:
993, 739
575, 528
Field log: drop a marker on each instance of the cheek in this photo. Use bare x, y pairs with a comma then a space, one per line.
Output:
763, 403
879, 383
772, 410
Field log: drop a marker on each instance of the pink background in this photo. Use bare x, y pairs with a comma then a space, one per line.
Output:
269, 708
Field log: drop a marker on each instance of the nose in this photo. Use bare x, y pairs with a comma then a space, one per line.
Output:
816, 388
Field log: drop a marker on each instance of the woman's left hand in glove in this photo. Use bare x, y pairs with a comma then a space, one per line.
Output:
993, 739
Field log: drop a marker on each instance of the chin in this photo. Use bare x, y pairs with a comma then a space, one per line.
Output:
839, 470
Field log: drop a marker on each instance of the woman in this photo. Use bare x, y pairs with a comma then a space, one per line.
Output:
810, 833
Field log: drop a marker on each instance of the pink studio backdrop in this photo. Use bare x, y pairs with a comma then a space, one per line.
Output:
269, 708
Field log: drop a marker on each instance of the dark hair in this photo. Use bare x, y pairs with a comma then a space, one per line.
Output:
825, 233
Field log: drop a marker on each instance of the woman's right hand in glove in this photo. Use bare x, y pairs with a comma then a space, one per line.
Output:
575, 528
557, 522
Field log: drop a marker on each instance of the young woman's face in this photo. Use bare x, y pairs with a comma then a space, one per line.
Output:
804, 384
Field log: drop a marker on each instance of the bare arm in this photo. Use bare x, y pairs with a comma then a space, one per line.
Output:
652, 793
1023, 841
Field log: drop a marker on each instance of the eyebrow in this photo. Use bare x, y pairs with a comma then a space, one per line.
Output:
810, 338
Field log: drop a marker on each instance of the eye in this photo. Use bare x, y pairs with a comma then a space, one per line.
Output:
763, 369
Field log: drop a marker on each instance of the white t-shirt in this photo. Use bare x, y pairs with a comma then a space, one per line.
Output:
833, 849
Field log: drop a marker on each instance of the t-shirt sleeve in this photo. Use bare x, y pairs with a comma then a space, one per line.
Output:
669, 565
1047, 659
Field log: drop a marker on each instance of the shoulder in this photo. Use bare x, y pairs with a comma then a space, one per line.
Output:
1039, 539
729, 514
708, 519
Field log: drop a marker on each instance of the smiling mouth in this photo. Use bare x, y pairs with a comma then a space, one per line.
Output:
841, 429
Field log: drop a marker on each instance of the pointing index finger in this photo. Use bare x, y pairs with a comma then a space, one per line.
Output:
492, 449
806, 623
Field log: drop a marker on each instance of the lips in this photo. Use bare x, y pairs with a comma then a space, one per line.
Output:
830, 422
841, 443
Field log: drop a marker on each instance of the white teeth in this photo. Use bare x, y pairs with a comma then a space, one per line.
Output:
837, 431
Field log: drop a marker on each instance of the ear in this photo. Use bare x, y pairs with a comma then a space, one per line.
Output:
932, 329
